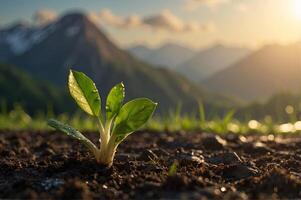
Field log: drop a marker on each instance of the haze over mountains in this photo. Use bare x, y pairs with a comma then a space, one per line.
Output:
169, 55
49, 51
241, 73
270, 70
195, 65
211, 60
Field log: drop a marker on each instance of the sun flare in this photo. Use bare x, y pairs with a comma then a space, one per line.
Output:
297, 9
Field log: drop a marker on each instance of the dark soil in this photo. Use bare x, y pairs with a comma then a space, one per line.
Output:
53, 166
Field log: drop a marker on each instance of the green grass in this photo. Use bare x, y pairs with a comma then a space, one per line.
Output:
18, 119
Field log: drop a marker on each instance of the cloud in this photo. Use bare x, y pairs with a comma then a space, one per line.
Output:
195, 4
164, 20
108, 18
167, 21
44, 16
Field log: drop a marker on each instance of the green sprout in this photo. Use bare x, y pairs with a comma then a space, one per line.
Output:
119, 121
173, 168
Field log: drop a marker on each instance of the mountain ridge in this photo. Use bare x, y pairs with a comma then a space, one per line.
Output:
211, 60
168, 55
74, 41
271, 69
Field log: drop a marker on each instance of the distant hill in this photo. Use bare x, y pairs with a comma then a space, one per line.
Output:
17, 86
74, 41
270, 70
168, 55
211, 60
141, 52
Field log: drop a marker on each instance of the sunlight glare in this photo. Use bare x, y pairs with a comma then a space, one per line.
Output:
287, 128
297, 9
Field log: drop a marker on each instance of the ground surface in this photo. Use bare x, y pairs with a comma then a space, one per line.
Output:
52, 166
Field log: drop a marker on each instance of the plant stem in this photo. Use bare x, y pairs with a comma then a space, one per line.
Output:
101, 131
107, 148
107, 152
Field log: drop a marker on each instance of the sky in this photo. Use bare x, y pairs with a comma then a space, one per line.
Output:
194, 23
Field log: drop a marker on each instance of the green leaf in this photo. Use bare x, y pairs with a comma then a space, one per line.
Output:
228, 117
173, 168
68, 130
114, 100
202, 112
132, 116
84, 92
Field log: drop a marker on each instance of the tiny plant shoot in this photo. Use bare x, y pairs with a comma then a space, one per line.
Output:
119, 120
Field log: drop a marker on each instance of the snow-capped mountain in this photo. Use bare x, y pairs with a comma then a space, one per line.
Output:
74, 41
21, 37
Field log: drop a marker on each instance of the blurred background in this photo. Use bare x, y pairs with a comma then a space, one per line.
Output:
198, 58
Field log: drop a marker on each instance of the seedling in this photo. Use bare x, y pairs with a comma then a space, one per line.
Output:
119, 121
173, 168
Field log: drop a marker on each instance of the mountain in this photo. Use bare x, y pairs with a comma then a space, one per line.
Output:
17, 86
211, 60
140, 52
270, 70
10, 43
169, 55
74, 41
